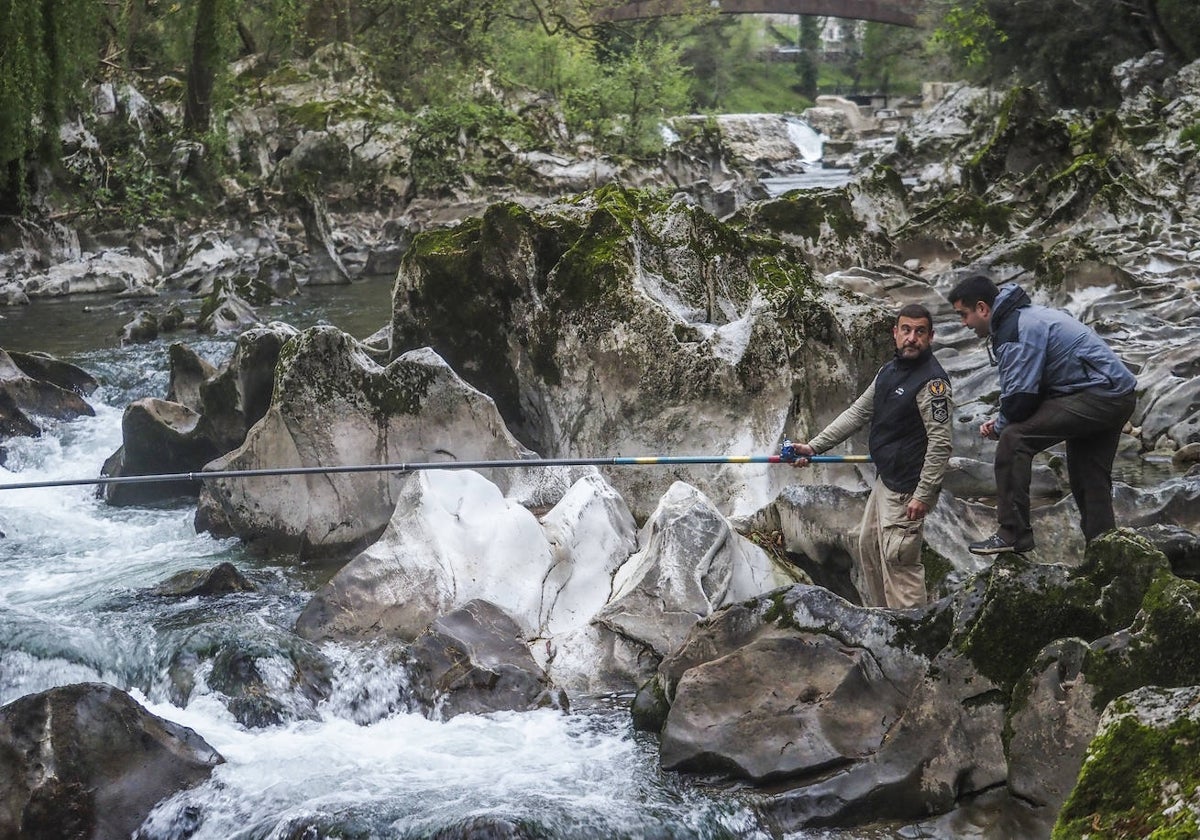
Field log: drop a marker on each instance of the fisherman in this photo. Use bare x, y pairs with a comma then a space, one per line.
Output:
1059, 382
908, 405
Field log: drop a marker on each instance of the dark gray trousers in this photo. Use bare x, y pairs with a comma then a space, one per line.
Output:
1090, 424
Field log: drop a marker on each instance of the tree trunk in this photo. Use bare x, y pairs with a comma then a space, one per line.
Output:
197, 107
1162, 38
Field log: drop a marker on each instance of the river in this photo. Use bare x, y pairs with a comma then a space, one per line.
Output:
75, 606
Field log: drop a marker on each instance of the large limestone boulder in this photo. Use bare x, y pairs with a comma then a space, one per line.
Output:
207, 413
46, 368
619, 324
575, 583
115, 270
237, 396
87, 761
453, 538
188, 372
689, 564
334, 406
793, 700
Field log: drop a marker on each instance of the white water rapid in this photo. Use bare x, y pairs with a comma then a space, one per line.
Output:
75, 606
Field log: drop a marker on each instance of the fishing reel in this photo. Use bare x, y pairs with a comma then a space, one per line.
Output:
788, 453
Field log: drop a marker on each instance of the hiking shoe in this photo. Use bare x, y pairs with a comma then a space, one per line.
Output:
996, 544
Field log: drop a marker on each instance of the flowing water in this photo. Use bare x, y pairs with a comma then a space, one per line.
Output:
76, 606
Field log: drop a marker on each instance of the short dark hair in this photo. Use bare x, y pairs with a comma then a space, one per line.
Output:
915, 311
971, 290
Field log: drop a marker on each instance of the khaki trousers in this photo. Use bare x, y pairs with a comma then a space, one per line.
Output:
889, 548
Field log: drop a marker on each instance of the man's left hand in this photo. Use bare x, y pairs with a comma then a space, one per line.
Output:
916, 510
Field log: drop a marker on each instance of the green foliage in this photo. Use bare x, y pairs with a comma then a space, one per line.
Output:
625, 104
1181, 21
439, 160
968, 34
717, 49
999, 39
129, 184
428, 50
617, 92
1191, 134
46, 46
894, 58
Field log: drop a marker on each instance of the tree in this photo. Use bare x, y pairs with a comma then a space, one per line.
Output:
705, 52
632, 87
46, 46
890, 53
207, 57
1028, 41
424, 48
810, 49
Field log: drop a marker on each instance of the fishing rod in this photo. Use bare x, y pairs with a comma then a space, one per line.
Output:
787, 455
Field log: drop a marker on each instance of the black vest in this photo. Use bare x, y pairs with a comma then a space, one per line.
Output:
898, 440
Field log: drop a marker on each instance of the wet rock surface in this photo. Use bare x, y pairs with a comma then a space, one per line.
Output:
87, 761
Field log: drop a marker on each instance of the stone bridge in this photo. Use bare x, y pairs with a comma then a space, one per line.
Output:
899, 12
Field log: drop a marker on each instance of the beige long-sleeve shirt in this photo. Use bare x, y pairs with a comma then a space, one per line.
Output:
935, 414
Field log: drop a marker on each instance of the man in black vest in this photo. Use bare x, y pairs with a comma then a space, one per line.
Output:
908, 406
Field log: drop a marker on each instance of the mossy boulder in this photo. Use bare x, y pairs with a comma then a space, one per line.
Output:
826, 223
623, 322
1156, 649
1142, 770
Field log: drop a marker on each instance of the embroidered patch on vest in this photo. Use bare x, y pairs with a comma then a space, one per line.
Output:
940, 410
938, 387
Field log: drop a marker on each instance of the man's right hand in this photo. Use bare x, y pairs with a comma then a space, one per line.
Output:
803, 453
988, 430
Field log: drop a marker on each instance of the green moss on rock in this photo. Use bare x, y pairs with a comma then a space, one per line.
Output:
1024, 606
804, 214
1122, 565
936, 567
1138, 781
1159, 648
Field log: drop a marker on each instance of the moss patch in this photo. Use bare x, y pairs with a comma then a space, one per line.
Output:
1024, 607
1158, 649
936, 567
1133, 783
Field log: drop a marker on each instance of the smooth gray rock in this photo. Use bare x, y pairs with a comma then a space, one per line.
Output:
475, 660
87, 761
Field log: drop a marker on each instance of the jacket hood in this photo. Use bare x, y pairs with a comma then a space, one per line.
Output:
1011, 298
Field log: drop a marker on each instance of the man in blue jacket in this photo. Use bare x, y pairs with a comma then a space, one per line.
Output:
1058, 382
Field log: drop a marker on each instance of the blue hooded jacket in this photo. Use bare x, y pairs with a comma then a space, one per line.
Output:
1046, 353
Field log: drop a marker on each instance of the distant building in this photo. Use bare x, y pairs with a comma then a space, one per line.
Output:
836, 34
